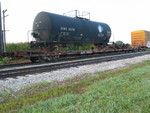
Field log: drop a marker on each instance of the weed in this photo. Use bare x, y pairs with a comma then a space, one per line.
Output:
17, 47
72, 47
87, 74
4, 60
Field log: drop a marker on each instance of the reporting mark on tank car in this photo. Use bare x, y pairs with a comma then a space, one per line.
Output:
37, 23
67, 29
108, 33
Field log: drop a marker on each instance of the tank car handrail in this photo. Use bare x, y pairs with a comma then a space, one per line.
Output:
77, 14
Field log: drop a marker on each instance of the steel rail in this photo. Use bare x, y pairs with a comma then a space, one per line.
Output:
47, 67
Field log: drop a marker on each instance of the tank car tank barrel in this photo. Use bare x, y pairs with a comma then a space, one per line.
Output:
59, 29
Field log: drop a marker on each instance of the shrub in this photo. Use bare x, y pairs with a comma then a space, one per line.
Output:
4, 60
17, 47
72, 47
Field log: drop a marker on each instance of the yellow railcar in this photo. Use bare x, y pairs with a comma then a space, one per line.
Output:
140, 38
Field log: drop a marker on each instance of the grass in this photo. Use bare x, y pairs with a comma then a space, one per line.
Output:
4, 60
1, 62
125, 90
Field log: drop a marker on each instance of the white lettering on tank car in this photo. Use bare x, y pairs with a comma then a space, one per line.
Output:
108, 33
37, 23
82, 52
100, 35
63, 28
64, 33
71, 29
67, 29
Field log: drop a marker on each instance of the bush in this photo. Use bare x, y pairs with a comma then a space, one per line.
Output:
119, 42
24, 46
4, 60
17, 47
72, 47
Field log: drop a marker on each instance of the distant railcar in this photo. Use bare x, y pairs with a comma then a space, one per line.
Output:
52, 28
140, 38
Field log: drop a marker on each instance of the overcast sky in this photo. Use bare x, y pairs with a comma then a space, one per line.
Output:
123, 16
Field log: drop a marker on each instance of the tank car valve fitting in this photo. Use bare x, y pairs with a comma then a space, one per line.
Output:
35, 34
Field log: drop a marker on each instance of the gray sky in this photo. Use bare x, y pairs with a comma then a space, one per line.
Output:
123, 16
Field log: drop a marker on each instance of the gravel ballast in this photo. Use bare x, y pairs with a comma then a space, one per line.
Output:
16, 84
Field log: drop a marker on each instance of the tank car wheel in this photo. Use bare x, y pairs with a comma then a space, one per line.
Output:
55, 58
50, 58
46, 59
34, 59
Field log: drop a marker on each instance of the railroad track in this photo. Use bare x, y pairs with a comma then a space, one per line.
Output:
15, 71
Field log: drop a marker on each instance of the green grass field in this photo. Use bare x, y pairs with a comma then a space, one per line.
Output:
115, 91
